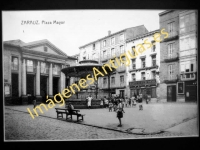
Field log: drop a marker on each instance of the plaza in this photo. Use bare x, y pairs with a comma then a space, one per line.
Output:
156, 120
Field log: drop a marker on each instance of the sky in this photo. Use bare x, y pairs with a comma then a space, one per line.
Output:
78, 27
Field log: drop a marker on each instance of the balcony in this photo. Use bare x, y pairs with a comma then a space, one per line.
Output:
154, 65
172, 36
172, 58
31, 69
142, 83
172, 79
15, 67
188, 76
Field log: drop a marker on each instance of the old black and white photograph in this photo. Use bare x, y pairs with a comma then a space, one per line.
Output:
99, 74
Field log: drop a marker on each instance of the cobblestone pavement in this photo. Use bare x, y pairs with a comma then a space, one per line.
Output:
20, 126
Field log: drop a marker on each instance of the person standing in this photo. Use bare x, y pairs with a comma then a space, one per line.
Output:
120, 112
140, 102
133, 101
126, 101
106, 102
101, 103
89, 101
34, 102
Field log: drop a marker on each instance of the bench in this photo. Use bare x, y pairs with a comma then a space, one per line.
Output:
61, 111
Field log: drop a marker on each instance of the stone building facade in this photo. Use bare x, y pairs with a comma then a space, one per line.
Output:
143, 72
33, 70
106, 48
178, 56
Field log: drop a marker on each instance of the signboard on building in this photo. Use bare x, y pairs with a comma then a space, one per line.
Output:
142, 83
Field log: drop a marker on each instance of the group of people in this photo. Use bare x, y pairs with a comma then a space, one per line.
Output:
117, 104
112, 102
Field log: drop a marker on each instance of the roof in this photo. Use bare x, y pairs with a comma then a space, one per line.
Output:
164, 12
41, 42
15, 42
20, 43
143, 35
109, 35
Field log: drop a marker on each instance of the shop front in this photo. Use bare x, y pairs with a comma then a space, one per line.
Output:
145, 87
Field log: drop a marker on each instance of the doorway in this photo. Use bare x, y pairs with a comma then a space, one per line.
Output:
43, 88
121, 93
15, 91
171, 93
190, 91
55, 85
30, 87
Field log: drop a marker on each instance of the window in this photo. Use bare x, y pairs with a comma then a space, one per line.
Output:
187, 23
43, 67
133, 64
133, 77
104, 81
154, 60
112, 52
15, 63
84, 58
93, 46
191, 67
104, 43
56, 69
45, 49
133, 52
77, 59
121, 79
143, 75
153, 74
153, 48
122, 49
170, 50
121, 38
180, 87
112, 80
143, 62
112, 41
170, 28
94, 56
29, 65
188, 43
104, 54
187, 67
170, 72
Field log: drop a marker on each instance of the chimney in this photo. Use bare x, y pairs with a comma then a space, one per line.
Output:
109, 32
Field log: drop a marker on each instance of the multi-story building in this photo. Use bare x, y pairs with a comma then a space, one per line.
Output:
143, 71
187, 87
178, 56
106, 48
33, 70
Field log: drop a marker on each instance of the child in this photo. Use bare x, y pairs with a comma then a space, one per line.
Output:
110, 106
